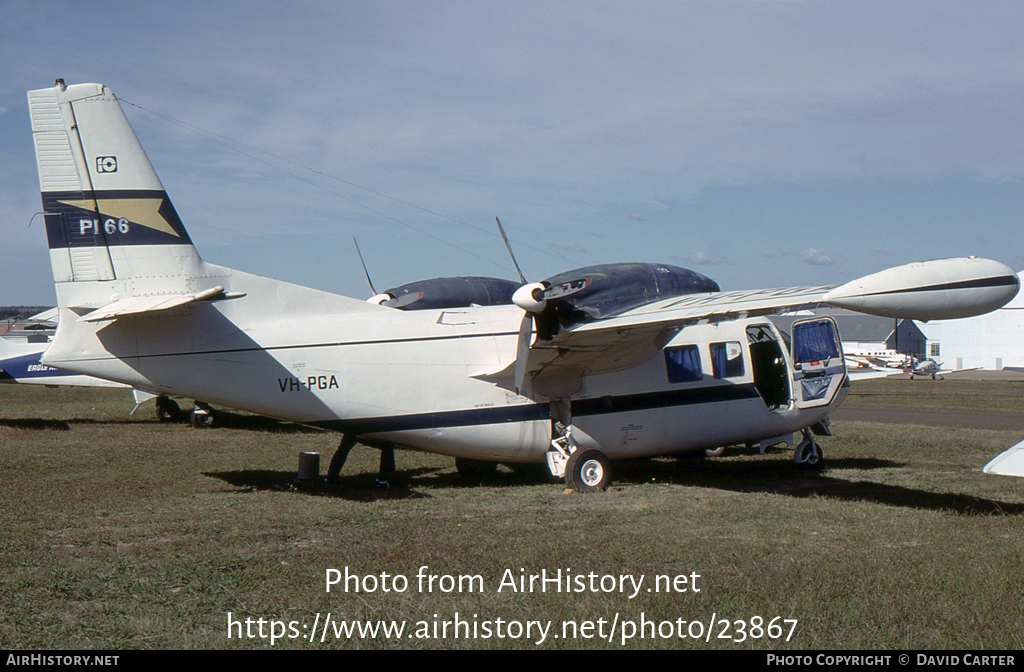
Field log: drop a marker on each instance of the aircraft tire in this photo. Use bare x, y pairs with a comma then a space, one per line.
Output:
202, 419
167, 410
588, 471
810, 456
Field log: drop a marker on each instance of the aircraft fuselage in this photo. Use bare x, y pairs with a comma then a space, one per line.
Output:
423, 379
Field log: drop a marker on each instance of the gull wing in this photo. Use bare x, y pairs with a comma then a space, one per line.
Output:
929, 290
625, 340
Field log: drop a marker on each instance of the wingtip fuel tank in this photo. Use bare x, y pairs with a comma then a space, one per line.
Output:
941, 289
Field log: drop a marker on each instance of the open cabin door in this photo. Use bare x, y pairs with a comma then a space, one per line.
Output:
818, 365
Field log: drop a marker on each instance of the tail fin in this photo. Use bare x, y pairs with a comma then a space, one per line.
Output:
111, 228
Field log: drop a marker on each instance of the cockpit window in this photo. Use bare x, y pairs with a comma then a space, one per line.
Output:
815, 342
683, 364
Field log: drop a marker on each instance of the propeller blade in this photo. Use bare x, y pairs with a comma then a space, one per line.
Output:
523, 350
365, 271
508, 247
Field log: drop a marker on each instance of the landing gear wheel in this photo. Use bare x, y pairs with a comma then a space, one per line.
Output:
588, 471
475, 468
202, 416
808, 454
167, 409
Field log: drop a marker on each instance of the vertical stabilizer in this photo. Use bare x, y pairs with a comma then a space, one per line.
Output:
111, 228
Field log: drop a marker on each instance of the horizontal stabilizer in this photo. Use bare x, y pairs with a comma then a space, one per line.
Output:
1010, 463
137, 305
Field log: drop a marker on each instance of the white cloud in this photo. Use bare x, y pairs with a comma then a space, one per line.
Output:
817, 257
702, 259
563, 119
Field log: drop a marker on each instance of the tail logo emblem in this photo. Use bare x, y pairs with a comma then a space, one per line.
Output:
106, 164
142, 211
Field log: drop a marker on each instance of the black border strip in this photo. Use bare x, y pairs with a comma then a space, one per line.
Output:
530, 412
997, 281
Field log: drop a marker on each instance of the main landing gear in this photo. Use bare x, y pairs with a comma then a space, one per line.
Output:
808, 453
202, 415
588, 471
385, 471
168, 410
584, 469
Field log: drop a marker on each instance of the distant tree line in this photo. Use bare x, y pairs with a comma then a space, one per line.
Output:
20, 312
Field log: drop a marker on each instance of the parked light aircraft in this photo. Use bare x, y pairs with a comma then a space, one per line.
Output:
21, 363
597, 364
929, 367
875, 359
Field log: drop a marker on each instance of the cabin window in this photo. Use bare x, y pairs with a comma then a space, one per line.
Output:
727, 359
683, 364
815, 342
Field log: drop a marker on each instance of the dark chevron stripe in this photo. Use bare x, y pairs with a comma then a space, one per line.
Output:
64, 227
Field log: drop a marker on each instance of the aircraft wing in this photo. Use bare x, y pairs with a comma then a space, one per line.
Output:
938, 289
632, 337
715, 307
973, 368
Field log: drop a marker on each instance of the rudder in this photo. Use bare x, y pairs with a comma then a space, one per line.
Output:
111, 229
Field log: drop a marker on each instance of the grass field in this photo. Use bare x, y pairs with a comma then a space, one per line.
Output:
955, 394
120, 533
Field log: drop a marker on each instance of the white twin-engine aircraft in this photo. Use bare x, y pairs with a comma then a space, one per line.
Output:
601, 363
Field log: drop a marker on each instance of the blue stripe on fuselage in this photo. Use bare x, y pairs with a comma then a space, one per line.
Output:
27, 367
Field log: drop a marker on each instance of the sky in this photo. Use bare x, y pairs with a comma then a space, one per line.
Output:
764, 144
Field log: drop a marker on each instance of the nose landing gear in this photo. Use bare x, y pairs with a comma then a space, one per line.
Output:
808, 453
